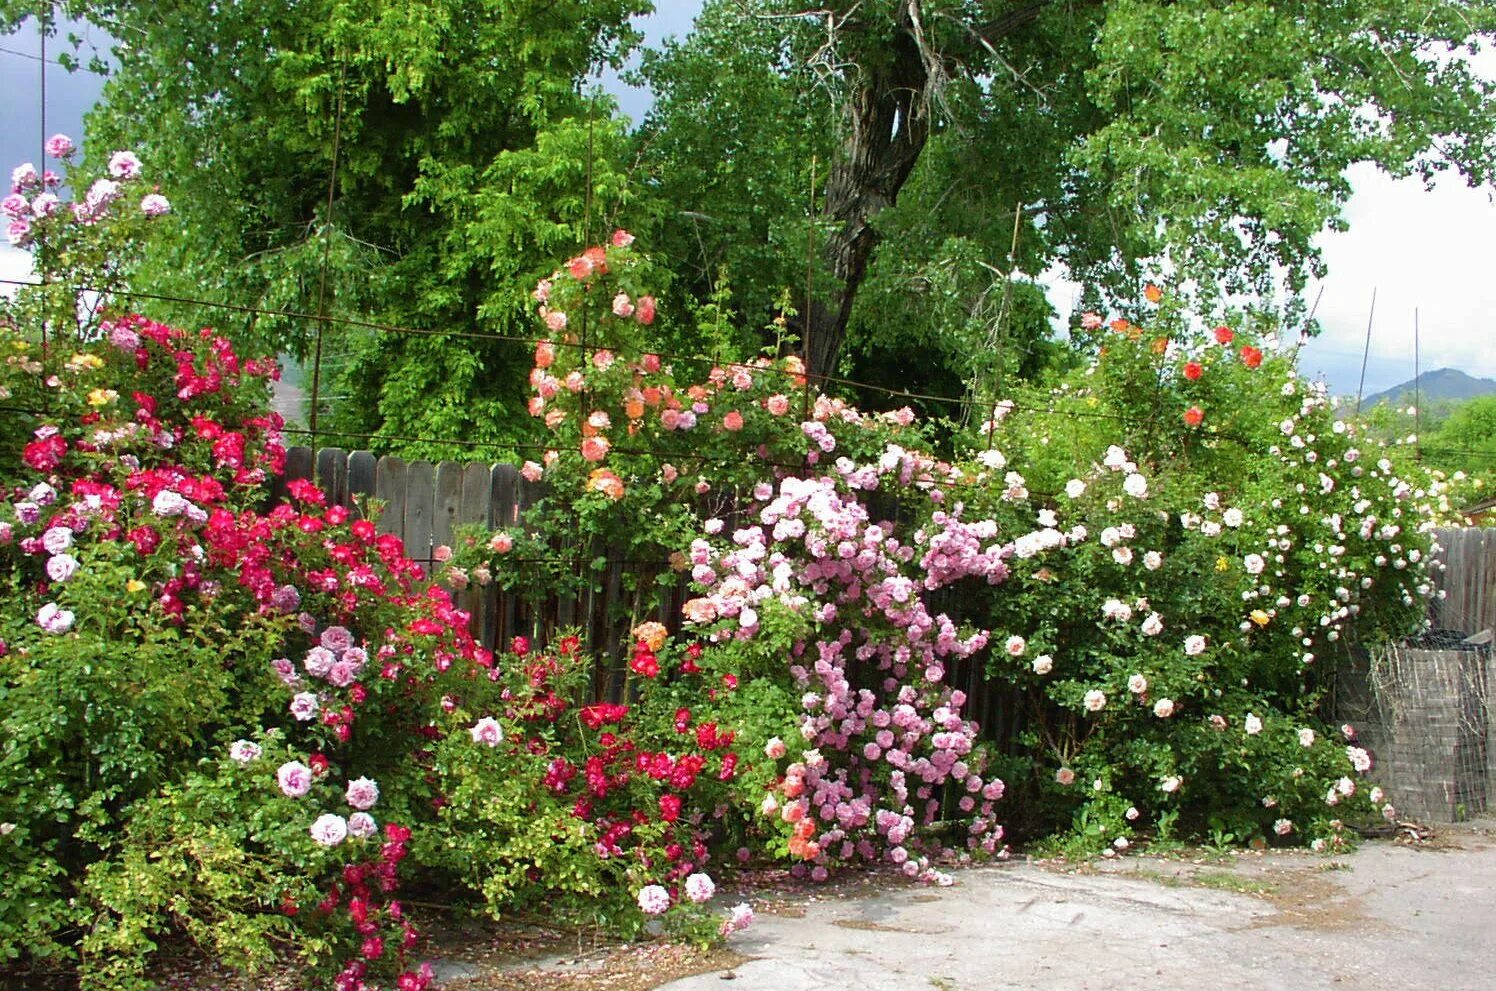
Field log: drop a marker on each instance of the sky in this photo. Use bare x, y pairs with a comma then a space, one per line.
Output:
1429, 251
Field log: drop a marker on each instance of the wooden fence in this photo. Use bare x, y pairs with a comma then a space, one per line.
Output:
425, 504
1468, 581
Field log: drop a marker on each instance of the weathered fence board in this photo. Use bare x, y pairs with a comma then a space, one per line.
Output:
389, 489
1468, 581
420, 510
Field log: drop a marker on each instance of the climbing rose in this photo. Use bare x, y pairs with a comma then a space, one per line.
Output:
362, 793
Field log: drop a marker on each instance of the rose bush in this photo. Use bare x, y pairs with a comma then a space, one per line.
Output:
1193, 536
1204, 538
253, 721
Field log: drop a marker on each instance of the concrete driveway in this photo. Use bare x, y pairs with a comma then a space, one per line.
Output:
1387, 916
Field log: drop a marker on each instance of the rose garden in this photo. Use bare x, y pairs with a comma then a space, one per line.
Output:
238, 718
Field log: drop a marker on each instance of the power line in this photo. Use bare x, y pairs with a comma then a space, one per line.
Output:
589, 348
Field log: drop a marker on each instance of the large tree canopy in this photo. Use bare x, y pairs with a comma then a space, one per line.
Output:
887, 168
461, 167
1207, 139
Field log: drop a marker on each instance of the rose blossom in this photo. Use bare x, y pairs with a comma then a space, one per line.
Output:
1170, 784
1043, 664
1163, 708
740, 919
329, 829
775, 748
319, 661
57, 539
337, 639
653, 900
61, 567
295, 778
244, 751
1095, 700
1137, 684
304, 706
487, 730
1015, 645
59, 146
361, 826
1306, 737
124, 165
1252, 724
700, 888
1194, 645
54, 619
362, 793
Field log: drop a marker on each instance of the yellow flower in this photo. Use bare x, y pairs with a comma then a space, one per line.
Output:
82, 362
101, 397
1223, 563
1259, 617
134, 585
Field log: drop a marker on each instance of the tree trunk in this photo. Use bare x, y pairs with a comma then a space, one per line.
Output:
888, 124
887, 128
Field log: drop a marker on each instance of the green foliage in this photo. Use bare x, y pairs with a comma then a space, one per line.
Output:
1179, 635
217, 858
1466, 440
1213, 134
463, 148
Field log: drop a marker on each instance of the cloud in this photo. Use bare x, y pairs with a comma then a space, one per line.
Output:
1426, 250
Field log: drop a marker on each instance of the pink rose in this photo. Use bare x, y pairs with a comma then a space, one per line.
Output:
295, 778
487, 730
645, 312
362, 793
124, 165
622, 307
654, 900
59, 146
595, 448
329, 829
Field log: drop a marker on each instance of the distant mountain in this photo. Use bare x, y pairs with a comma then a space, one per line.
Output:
1445, 384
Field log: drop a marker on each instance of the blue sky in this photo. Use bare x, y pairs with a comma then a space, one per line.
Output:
1430, 250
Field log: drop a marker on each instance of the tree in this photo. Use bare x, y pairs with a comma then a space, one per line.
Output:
1467, 439
412, 165
1206, 141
